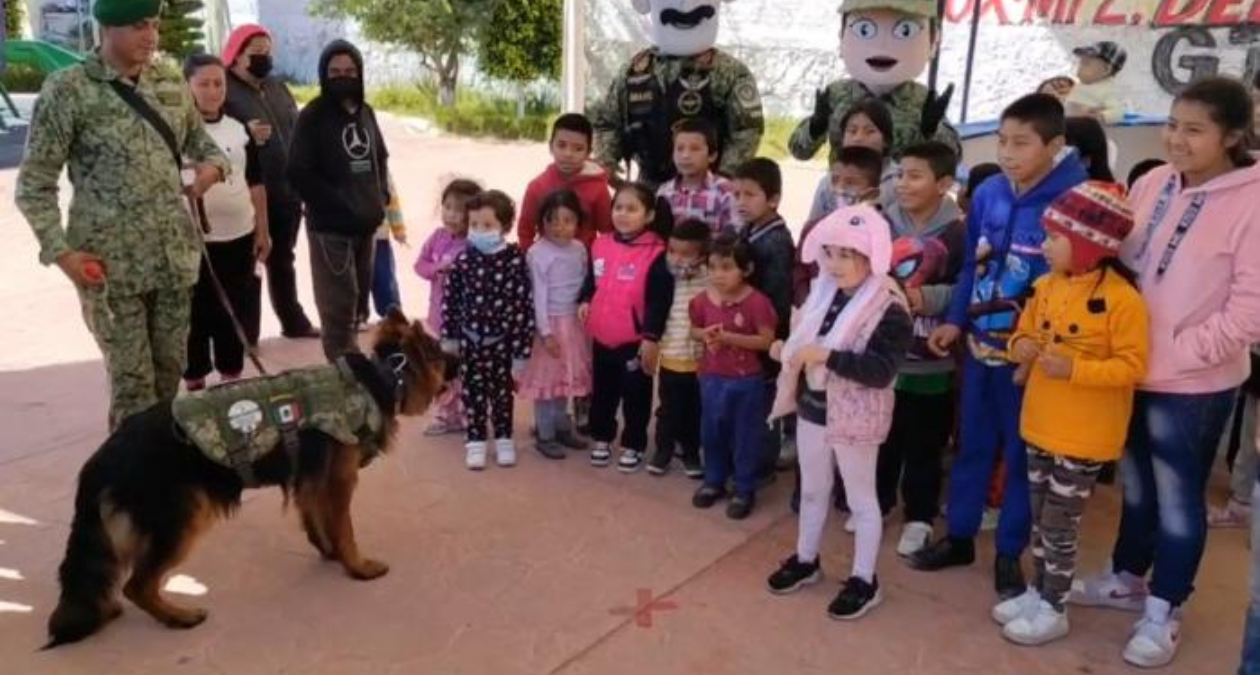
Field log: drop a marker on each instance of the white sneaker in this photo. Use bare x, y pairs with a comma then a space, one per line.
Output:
1043, 624
1121, 591
475, 455
1017, 607
504, 452
914, 538
1155, 637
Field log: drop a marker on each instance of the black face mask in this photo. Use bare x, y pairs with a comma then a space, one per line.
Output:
342, 88
259, 65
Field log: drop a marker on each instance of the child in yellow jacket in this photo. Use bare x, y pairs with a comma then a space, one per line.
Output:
1082, 344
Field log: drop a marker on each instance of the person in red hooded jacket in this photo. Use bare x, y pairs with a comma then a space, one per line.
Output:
572, 169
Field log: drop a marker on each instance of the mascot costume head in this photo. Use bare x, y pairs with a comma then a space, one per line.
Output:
681, 27
682, 76
885, 45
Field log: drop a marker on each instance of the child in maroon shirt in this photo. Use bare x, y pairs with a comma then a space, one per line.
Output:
736, 323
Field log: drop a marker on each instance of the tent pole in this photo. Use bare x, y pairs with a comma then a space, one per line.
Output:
573, 71
976, 7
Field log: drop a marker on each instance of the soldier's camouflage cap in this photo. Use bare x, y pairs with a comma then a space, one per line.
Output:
923, 8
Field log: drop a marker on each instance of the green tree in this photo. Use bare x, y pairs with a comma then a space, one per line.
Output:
439, 32
14, 18
182, 33
522, 42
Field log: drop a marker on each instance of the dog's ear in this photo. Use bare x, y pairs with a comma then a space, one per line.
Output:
396, 316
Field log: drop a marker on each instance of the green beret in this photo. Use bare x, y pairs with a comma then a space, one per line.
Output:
125, 12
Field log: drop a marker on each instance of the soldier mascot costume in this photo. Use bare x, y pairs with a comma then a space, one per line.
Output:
682, 75
885, 45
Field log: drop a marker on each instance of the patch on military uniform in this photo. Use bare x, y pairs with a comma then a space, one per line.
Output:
691, 100
170, 96
286, 411
245, 416
746, 94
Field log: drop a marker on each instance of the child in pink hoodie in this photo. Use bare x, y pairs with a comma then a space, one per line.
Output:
436, 257
1196, 250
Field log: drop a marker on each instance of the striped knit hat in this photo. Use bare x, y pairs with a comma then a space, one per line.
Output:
1095, 217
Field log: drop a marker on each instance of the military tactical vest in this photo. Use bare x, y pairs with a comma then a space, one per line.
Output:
235, 424
652, 111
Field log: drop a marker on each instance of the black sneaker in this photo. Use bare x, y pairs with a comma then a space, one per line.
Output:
550, 449
945, 553
693, 467
630, 460
794, 575
741, 506
707, 496
658, 465
1008, 578
572, 441
855, 599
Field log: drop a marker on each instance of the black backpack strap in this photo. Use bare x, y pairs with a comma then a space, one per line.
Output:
148, 114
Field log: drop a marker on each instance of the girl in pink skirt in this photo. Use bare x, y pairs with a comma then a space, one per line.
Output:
560, 365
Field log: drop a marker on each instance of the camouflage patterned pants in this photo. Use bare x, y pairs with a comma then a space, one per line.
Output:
1059, 488
143, 340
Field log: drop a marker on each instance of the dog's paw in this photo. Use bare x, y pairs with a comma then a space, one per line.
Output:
185, 618
368, 570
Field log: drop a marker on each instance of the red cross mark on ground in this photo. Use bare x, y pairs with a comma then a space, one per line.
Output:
643, 609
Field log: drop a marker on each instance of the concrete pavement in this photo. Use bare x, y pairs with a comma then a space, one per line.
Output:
549, 567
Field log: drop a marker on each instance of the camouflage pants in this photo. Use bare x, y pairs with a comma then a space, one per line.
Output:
1059, 488
144, 342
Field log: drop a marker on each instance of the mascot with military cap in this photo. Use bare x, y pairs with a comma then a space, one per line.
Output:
885, 46
680, 76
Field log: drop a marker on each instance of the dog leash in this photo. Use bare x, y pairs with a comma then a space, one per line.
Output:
197, 218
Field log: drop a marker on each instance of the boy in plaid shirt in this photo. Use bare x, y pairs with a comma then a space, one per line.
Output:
697, 192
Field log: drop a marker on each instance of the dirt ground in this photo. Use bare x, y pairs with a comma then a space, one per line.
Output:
549, 567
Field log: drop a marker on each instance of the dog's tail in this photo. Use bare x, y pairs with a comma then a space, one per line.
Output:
89, 574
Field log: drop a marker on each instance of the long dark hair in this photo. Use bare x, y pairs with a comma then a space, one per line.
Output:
1230, 106
878, 114
662, 214
1090, 140
564, 198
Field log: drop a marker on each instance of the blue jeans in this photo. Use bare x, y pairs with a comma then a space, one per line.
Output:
1251, 636
1163, 524
990, 420
732, 429
385, 294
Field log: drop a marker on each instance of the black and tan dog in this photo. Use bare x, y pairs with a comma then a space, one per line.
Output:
149, 492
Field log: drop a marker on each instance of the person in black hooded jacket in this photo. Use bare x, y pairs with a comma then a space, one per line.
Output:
339, 166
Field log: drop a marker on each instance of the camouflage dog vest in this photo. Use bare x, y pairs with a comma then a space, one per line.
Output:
235, 424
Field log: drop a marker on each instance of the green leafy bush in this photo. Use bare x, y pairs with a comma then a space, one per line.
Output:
23, 79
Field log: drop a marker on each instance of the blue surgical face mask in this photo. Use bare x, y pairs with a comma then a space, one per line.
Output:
486, 242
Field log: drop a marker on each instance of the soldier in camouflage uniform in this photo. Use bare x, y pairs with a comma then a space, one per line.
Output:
130, 246
681, 76
885, 45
